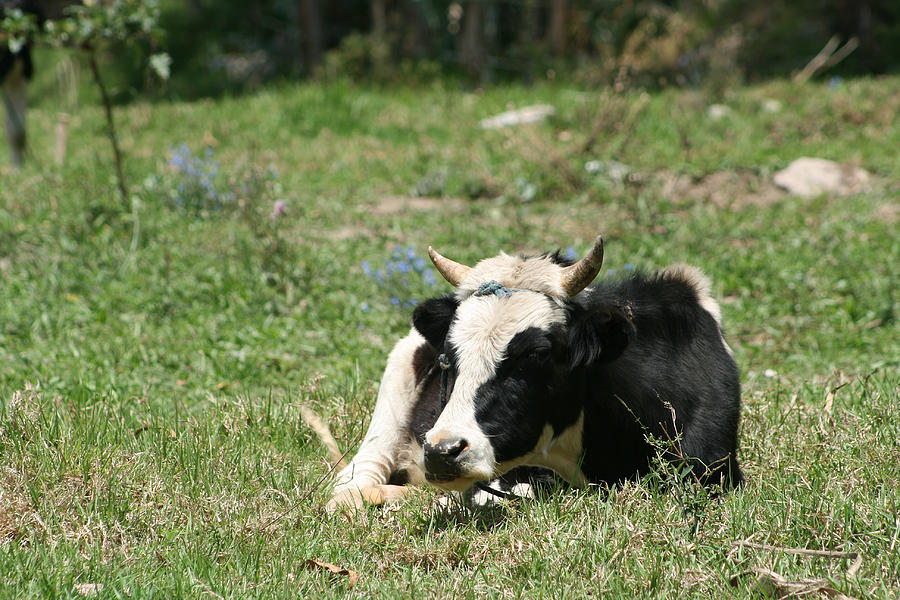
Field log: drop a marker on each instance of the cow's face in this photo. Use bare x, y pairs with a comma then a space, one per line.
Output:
508, 354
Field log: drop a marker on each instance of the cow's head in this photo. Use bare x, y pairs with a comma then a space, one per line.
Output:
512, 349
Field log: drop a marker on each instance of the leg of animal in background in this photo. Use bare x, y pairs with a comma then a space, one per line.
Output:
366, 477
14, 100
62, 136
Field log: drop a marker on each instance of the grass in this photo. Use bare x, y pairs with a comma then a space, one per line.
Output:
155, 360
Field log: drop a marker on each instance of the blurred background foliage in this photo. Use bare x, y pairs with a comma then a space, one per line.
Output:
219, 46
223, 46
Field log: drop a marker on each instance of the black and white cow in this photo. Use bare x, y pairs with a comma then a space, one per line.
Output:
535, 368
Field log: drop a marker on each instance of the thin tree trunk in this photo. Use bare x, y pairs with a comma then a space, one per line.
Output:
558, 12
379, 18
420, 34
311, 26
110, 127
471, 45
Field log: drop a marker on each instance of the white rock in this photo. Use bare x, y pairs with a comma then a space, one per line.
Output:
528, 114
717, 111
808, 177
771, 106
617, 171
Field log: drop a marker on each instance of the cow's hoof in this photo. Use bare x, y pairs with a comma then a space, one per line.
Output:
347, 498
377, 495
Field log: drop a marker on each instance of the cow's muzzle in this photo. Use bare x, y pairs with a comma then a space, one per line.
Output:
442, 458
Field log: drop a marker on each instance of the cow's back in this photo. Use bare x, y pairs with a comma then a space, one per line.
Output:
677, 365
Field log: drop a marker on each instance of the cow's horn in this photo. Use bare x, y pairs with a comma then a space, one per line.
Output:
577, 277
450, 270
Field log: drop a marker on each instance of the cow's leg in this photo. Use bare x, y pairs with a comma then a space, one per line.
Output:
14, 100
386, 449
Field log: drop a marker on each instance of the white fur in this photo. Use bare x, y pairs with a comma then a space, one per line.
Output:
387, 447
539, 274
560, 453
702, 285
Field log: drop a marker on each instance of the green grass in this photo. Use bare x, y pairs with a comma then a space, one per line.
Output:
155, 358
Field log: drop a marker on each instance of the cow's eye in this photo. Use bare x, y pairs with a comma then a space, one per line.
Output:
536, 357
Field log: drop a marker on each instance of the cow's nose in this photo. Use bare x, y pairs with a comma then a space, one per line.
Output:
442, 457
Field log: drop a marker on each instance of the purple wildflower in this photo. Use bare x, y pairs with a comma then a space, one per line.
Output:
278, 209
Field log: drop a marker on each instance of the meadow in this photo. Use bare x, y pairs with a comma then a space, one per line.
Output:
155, 355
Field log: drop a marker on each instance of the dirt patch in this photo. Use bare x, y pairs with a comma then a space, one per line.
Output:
388, 206
725, 189
348, 232
887, 213
392, 205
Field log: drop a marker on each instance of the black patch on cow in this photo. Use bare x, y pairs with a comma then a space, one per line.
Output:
513, 407
675, 358
597, 334
432, 318
400, 477
428, 407
423, 362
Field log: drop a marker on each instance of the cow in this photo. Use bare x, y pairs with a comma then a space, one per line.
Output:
525, 364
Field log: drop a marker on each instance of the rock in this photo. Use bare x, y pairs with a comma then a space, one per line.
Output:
592, 166
717, 111
770, 106
808, 177
617, 171
613, 169
528, 114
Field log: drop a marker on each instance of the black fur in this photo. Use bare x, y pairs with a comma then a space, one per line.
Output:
521, 393
432, 318
676, 359
597, 334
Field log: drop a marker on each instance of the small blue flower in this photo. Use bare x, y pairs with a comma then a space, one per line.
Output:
395, 300
365, 307
367, 268
570, 253
628, 267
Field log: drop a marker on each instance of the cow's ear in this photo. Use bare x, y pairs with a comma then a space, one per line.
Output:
598, 335
432, 318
